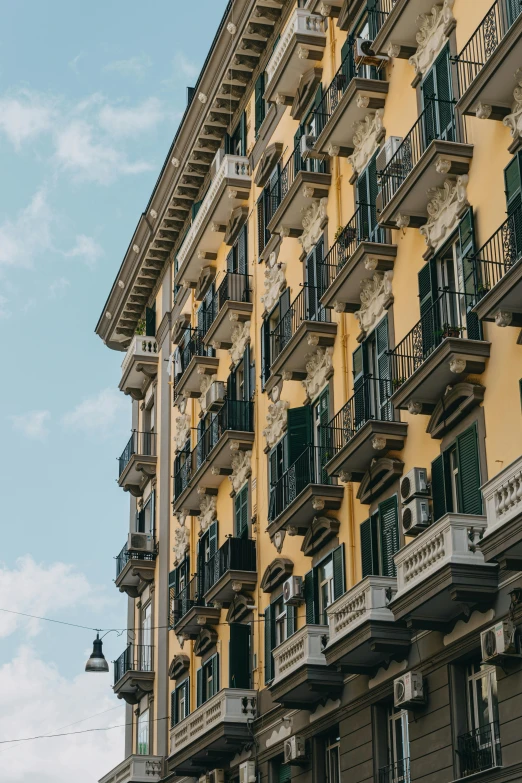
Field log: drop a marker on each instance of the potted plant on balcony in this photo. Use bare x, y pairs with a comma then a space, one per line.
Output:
448, 330
140, 327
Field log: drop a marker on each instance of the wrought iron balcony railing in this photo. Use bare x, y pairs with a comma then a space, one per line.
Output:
193, 345
485, 40
127, 554
234, 287
479, 749
142, 443
135, 658
449, 316
496, 257
236, 554
307, 469
234, 415
182, 602
362, 227
398, 772
370, 400
439, 120
293, 166
305, 307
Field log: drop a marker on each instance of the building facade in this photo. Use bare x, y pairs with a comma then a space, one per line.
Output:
320, 319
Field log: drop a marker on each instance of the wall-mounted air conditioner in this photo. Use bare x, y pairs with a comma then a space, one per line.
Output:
415, 516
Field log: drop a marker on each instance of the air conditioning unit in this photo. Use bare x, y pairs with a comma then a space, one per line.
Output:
499, 642
215, 396
295, 749
293, 590
415, 482
408, 690
216, 776
388, 150
306, 145
415, 517
364, 54
247, 772
140, 542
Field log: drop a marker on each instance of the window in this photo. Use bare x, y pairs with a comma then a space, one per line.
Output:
323, 585
371, 378
367, 189
398, 769
236, 143
333, 758
512, 182
241, 381
260, 103
380, 540
150, 321
315, 283
240, 655
282, 773
237, 262
206, 311
143, 733
241, 513
180, 702
146, 639
280, 623
480, 749
455, 477
207, 684
145, 517
270, 342
437, 101
267, 204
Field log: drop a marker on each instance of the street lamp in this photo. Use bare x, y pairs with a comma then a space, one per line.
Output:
97, 662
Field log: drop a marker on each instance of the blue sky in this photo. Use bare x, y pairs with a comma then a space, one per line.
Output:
91, 95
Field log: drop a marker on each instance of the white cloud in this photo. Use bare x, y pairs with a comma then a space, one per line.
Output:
37, 699
73, 64
186, 66
134, 66
58, 288
32, 424
25, 115
87, 249
91, 160
29, 233
96, 414
123, 121
4, 310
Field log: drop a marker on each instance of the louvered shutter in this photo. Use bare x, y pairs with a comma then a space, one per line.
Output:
243, 133
285, 773
429, 111
259, 101
512, 180
438, 487
311, 597
291, 620
428, 313
514, 9
261, 223
201, 319
469, 472
326, 453
347, 62
284, 330
199, 687
242, 263
383, 390
186, 685
231, 260
239, 656
150, 321
274, 190
241, 512
249, 372
363, 202
444, 94
370, 547
339, 586
297, 159
212, 539
173, 707
319, 119
299, 431
389, 529
265, 352
152, 502
467, 252
269, 643
359, 391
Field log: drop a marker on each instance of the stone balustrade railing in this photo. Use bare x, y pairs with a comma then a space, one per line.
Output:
141, 347
303, 648
452, 539
302, 21
367, 600
136, 769
503, 496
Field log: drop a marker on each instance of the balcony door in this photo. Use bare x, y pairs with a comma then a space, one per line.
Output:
398, 747
437, 101
512, 238
368, 228
146, 639
315, 284
320, 419
371, 378
480, 748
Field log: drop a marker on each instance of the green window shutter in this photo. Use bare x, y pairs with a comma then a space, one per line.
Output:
318, 116
259, 101
291, 620
339, 586
383, 369
243, 133
373, 189
186, 685
273, 472
359, 389
298, 161
237, 515
269, 643
150, 321
260, 208
231, 262
323, 405
265, 352
241, 512
467, 250
428, 106
311, 597
242, 243
444, 90
299, 431
346, 51
469, 472
285, 773
363, 200
173, 708
199, 687
389, 529
427, 278
212, 539
370, 546
438, 487
152, 502
512, 182
239, 656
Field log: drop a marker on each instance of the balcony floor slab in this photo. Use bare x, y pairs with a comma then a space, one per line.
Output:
289, 215
189, 383
505, 296
195, 619
315, 499
139, 470
370, 645
400, 27
346, 287
355, 457
293, 357
231, 583
306, 687
220, 331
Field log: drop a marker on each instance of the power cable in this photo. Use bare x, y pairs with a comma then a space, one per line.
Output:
72, 733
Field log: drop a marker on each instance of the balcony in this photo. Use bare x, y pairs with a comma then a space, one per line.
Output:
189, 611
363, 632
302, 677
231, 304
134, 673
356, 255
232, 570
418, 171
444, 347
363, 430
487, 66
502, 541
498, 274
134, 570
136, 769
442, 576
304, 490
137, 464
479, 750
229, 189
213, 733
192, 361
396, 26
230, 430
305, 325
139, 366
353, 93
300, 186
398, 772
300, 47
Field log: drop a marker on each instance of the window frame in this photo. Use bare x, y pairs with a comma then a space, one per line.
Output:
143, 731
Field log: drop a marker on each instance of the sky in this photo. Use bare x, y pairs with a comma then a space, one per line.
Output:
91, 95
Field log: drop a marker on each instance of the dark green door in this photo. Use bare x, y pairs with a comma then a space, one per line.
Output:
239, 656
437, 101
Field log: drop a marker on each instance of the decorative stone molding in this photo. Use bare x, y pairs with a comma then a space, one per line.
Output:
458, 401
206, 640
207, 511
442, 166
241, 469
368, 133
319, 368
333, 150
181, 431
303, 53
204, 385
457, 365
240, 607
393, 50
376, 297
274, 282
181, 544
276, 419
414, 407
279, 540
503, 318
432, 36
445, 208
483, 111
514, 120
240, 337
402, 221
378, 443
325, 9
178, 666
276, 573
313, 223
181, 516
322, 530
381, 474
